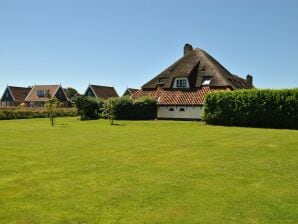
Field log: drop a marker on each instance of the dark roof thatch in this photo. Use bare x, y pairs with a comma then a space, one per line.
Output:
19, 93
103, 92
195, 65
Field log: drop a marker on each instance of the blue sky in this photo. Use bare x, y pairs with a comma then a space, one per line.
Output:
126, 43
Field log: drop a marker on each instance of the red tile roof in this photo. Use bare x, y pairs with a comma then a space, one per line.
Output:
176, 97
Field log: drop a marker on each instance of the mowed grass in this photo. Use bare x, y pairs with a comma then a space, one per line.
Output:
146, 172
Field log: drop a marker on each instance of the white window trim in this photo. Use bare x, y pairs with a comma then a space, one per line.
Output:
206, 81
178, 79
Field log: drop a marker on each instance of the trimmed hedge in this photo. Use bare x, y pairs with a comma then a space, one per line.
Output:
88, 107
26, 113
124, 108
253, 108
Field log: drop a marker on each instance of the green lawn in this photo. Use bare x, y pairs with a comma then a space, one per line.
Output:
146, 172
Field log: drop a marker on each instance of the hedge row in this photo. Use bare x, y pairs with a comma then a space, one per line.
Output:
26, 113
119, 108
126, 109
253, 108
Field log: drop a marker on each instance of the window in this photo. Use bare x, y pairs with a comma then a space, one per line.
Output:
181, 83
171, 109
6, 94
206, 81
161, 81
40, 93
182, 109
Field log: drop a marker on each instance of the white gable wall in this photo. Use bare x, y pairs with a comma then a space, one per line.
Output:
190, 112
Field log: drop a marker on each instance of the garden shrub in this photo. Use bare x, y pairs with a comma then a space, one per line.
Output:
124, 108
145, 108
88, 107
27, 112
254, 108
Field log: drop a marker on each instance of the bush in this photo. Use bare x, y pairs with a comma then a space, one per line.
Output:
124, 108
254, 108
145, 108
88, 107
26, 113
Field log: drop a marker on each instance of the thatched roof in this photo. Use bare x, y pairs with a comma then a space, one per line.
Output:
196, 64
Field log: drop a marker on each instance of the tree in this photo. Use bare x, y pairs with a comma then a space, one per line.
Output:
88, 107
52, 104
109, 109
71, 93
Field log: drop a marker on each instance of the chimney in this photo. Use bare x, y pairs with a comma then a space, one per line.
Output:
249, 79
187, 48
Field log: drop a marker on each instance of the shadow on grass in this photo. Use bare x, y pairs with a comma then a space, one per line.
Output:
62, 125
118, 124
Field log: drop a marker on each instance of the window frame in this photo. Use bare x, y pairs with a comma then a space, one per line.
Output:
206, 81
181, 83
41, 93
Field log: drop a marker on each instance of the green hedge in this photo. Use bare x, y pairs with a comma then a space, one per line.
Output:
124, 108
253, 108
26, 113
88, 107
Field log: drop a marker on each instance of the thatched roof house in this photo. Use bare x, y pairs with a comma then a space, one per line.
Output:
180, 89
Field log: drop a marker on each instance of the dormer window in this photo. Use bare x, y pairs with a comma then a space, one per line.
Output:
181, 83
206, 81
161, 81
40, 93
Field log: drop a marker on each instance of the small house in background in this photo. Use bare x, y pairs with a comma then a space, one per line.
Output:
102, 92
130, 92
180, 89
40, 94
14, 96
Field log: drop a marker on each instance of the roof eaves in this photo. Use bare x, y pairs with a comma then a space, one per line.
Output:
26, 99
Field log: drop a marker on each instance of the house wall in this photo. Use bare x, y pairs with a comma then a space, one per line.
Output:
9, 104
189, 113
36, 104
7, 100
60, 95
7, 96
89, 92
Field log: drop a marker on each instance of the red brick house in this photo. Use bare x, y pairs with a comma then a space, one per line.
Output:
180, 89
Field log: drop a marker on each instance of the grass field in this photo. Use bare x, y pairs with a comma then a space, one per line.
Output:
146, 172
